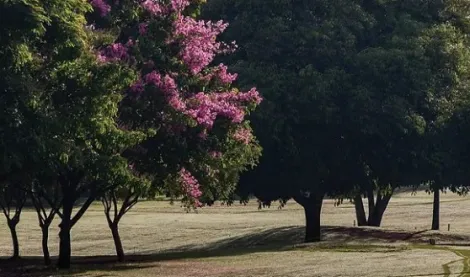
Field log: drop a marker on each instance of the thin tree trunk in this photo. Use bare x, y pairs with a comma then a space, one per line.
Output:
370, 201
65, 248
114, 214
14, 237
435, 210
45, 246
117, 241
45, 220
360, 212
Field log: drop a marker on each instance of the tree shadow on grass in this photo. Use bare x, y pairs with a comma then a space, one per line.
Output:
33, 267
271, 240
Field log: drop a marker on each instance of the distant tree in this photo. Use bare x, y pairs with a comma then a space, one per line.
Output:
448, 48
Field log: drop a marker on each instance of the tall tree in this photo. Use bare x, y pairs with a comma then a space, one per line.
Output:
297, 54
22, 58
88, 140
72, 96
199, 140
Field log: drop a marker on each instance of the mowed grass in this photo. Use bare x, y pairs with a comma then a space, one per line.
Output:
164, 241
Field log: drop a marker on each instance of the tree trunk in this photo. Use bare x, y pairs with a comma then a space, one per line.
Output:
371, 201
375, 218
14, 237
45, 247
65, 249
117, 241
435, 210
312, 207
360, 212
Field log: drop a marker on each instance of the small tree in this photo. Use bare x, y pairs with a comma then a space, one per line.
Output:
12, 200
117, 202
45, 196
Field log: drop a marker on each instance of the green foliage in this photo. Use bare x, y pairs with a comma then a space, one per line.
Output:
162, 155
352, 89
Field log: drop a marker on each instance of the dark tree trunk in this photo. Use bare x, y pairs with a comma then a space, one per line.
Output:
375, 218
65, 249
377, 207
360, 212
117, 241
370, 201
14, 237
435, 210
45, 220
312, 206
312, 230
45, 246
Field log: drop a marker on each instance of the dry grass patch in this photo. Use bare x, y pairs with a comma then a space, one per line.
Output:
163, 240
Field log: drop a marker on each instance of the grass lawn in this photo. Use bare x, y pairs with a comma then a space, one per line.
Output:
163, 241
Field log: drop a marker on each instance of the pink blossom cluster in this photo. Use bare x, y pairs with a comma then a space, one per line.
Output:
205, 108
156, 7
220, 73
168, 86
223, 76
198, 41
243, 135
114, 52
101, 6
190, 186
202, 107
179, 5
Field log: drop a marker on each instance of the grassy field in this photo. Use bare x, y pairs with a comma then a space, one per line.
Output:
163, 241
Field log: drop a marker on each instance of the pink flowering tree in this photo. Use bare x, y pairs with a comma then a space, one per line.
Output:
201, 139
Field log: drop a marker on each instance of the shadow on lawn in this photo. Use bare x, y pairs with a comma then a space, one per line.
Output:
276, 239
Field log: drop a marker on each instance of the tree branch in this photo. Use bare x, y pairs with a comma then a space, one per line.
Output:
128, 204
54, 206
114, 199
37, 207
7, 214
82, 210
132, 204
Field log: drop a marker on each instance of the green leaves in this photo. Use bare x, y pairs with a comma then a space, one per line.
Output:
348, 85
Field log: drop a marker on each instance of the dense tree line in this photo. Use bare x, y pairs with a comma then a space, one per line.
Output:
117, 101
361, 97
